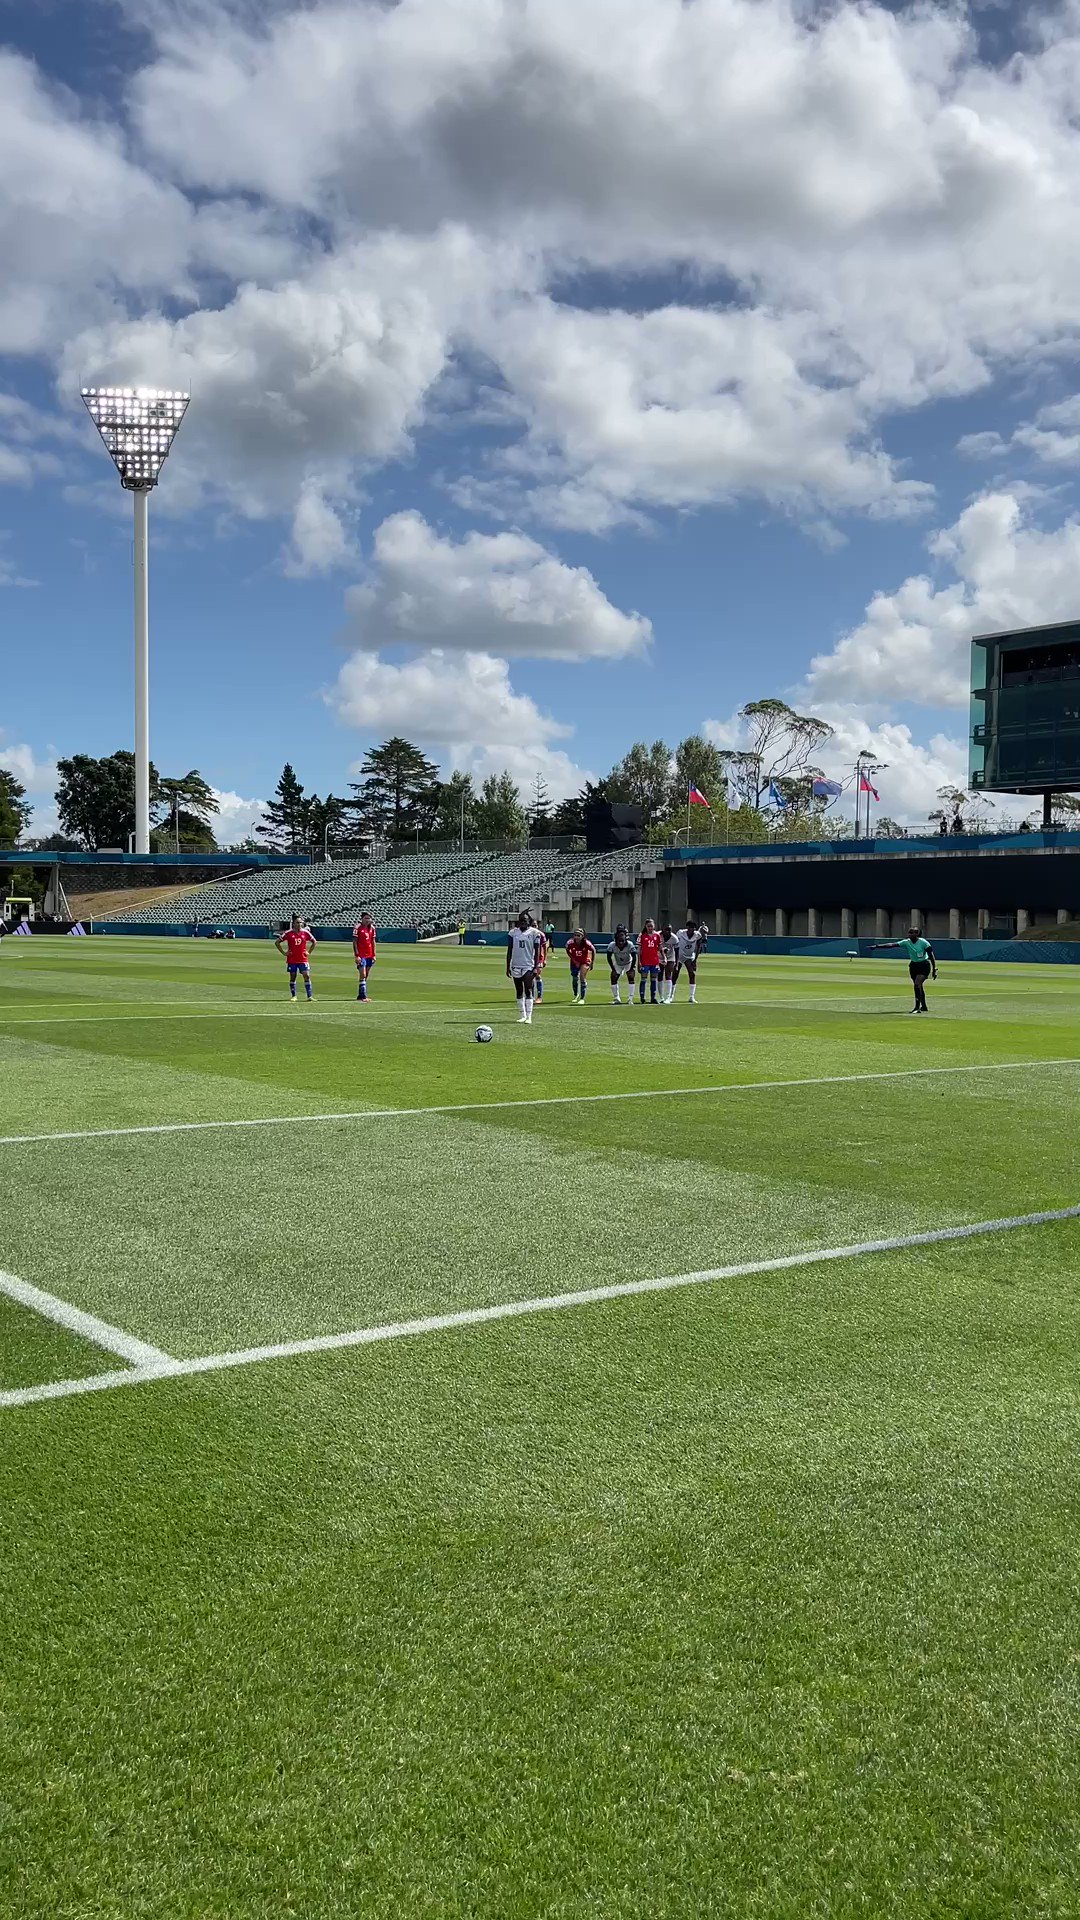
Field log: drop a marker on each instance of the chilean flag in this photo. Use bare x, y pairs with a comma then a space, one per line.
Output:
695, 797
865, 787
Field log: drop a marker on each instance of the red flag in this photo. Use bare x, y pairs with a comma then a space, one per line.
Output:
695, 797
865, 787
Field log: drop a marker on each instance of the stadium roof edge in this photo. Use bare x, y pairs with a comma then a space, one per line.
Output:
28, 857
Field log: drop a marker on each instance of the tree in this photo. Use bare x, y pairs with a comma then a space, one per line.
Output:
186, 807
499, 812
282, 830
95, 799
540, 818
455, 808
568, 819
15, 809
698, 764
643, 779
780, 746
324, 821
54, 843
396, 792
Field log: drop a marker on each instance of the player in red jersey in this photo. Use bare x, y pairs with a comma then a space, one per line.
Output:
649, 948
296, 944
363, 946
542, 952
581, 953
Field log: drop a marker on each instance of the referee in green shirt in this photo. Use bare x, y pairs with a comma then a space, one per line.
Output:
921, 962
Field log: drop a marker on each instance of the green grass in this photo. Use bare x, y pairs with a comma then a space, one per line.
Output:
755, 1598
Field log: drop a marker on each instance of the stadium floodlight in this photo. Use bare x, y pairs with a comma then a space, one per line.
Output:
138, 426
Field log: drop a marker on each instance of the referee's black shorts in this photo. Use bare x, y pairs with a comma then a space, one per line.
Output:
919, 969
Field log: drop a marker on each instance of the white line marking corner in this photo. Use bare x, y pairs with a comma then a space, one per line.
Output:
163, 1368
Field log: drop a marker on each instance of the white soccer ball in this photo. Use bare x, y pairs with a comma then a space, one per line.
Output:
484, 1033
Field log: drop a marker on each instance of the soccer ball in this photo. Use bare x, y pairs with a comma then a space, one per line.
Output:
484, 1033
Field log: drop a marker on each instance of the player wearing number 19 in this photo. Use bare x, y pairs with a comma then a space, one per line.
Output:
363, 941
296, 944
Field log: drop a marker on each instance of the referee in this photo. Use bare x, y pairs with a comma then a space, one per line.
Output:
922, 962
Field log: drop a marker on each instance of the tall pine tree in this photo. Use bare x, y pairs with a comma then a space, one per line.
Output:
283, 829
397, 792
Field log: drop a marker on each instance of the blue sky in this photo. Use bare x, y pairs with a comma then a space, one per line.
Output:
558, 379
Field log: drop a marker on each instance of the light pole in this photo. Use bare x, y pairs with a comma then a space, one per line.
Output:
138, 426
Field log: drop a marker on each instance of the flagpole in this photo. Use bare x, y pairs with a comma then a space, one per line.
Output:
689, 784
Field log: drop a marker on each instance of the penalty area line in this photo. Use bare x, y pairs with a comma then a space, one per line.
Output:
546, 1100
88, 1327
167, 1369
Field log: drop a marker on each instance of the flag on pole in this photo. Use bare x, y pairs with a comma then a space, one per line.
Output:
865, 786
774, 795
695, 797
826, 789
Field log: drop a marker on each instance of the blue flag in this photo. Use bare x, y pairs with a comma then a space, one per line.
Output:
827, 789
774, 795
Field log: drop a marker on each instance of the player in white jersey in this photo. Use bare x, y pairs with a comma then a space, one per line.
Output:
669, 962
690, 942
622, 958
522, 952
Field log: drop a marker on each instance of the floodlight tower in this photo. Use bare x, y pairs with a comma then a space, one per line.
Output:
138, 426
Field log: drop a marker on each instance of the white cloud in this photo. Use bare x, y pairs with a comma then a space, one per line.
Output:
325, 371
317, 214
236, 818
680, 407
484, 593
320, 541
999, 570
38, 776
461, 705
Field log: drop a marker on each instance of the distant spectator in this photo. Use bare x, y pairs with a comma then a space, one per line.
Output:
943, 825
958, 823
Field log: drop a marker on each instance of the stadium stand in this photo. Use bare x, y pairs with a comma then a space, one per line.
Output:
428, 891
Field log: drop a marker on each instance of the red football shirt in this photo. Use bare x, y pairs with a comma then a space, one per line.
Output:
363, 940
649, 945
580, 953
298, 945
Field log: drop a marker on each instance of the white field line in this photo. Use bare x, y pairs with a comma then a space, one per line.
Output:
547, 1100
86, 1325
166, 1369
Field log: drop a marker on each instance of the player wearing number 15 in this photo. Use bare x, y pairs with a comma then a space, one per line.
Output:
363, 946
296, 944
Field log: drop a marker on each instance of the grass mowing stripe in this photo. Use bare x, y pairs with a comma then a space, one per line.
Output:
547, 1100
87, 1325
167, 1369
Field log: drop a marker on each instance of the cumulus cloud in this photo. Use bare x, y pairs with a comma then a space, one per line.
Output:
236, 818
997, 569
461, 705
328, 368
320, 541
679, 407
319, 214
37, 775
482, 593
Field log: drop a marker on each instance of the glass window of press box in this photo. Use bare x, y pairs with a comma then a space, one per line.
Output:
1025, 709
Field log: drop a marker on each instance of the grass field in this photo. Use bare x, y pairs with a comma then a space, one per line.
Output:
752, 1596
